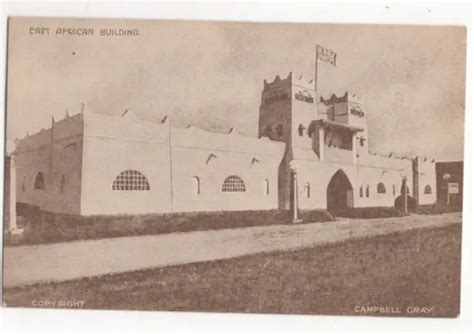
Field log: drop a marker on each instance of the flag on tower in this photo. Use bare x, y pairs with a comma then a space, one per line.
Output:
324, 54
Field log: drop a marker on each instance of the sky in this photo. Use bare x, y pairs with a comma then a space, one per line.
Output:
210, 74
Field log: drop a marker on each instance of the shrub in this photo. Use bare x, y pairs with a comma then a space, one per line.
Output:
369, 212
45, 227
437, 208
26, 210
310, 216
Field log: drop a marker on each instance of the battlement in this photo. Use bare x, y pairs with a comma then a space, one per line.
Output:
299, 80
347, 97
59, 130
277, 82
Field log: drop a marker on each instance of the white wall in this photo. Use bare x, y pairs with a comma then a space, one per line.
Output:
318, 174
426, 176
114, 144
55, 153
212, 157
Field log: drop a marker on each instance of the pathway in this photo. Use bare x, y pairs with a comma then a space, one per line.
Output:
69, 260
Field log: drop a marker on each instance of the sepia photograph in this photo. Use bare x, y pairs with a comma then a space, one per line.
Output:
234, 167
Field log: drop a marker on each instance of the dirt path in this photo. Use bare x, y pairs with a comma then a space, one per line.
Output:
63, 261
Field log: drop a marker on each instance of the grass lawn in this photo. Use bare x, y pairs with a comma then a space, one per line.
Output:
416, 268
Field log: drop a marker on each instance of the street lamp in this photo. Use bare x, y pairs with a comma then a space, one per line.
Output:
405, 195
446, 177
294, 166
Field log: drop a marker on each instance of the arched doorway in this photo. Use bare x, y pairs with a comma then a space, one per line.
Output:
340, 194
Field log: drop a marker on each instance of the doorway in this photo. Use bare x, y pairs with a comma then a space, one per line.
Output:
340, 194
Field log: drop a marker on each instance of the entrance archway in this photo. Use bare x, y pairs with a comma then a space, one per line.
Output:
340, 194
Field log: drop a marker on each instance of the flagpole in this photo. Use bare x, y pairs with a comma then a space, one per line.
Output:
316, 75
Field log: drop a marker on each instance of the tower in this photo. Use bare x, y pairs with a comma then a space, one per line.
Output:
287, 108
286, 104
329, 130
348, 110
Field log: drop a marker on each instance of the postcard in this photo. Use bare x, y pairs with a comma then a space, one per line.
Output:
283, 168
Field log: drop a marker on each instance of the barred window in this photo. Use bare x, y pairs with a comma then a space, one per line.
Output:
131, 180
427, 189
233, 183
381, 188
39, 181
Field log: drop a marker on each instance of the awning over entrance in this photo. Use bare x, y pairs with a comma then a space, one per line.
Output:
322, 123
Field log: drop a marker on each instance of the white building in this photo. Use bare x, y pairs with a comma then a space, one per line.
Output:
93, 164
329, 140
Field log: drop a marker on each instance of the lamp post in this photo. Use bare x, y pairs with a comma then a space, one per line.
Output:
446, 177
294, 169
13, 227
405, 195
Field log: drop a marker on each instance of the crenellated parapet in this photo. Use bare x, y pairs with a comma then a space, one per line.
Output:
345, 98
296, 87
277, 82
59, 130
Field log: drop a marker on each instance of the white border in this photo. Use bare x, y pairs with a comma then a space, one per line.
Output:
401, 12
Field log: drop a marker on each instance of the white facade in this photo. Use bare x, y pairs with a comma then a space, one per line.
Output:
329, 141
185, 169
98, 164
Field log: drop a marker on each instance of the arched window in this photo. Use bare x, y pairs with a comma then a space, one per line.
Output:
381, 188
196, 185
39, 181
361, 191
367, 191
131, 180
63, 183
427, 189
233, 183
394, 189
266, 187
307, 190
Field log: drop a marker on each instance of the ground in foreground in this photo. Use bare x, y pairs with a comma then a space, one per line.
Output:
401, 271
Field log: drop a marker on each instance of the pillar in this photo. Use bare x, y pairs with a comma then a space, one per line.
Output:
11, 194
321, 143
294, 169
